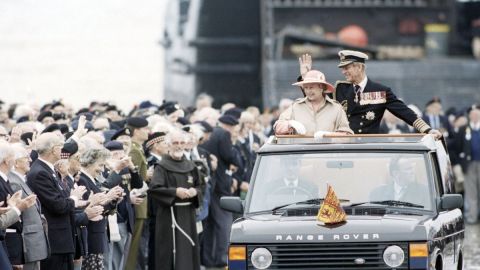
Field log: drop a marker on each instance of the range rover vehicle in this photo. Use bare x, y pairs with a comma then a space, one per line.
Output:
397, 192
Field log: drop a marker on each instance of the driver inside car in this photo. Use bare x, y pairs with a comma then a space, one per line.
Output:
290, 186
402, 184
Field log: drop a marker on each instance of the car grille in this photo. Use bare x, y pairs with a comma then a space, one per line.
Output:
328, 256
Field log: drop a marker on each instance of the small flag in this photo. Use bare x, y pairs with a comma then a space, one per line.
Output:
331, 211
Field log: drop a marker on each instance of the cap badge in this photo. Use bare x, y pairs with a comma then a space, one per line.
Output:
190, 179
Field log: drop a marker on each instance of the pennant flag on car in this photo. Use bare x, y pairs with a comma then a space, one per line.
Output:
331, 212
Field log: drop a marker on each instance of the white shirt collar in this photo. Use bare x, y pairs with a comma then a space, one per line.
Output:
19, 175
195, 153
48, 163
475, 126
156, 156
4, 176
290, 183
398, 190
363, 83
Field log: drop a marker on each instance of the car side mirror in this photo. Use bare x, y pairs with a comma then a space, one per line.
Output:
231, 204
451, 201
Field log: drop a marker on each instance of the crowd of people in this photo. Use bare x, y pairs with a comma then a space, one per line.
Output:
99, 188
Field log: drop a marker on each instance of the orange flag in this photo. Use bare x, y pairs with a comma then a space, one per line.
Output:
331, 211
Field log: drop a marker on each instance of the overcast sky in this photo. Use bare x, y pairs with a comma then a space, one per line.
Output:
80, 51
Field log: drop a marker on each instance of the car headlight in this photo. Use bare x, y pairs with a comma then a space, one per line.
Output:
393, 256
261, 258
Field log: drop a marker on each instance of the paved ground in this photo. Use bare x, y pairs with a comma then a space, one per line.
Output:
472, 247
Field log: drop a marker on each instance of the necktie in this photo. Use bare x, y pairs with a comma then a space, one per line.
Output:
9, 188
357, 93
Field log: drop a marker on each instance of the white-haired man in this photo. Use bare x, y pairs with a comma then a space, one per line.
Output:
33, 233
11, 238
57, 205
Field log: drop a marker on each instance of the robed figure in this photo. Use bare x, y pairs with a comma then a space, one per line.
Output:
176, 190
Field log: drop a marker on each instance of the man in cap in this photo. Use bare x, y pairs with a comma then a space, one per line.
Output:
156, 147
218, 223
55, 128
46, 118
124, 136
69, 168
467, 146
316, 113
121, 171
138, 127
364, 100
172, 111
434, 116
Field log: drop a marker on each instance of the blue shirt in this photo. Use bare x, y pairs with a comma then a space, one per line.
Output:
475, 144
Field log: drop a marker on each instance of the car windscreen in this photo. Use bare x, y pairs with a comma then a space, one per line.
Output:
357, 177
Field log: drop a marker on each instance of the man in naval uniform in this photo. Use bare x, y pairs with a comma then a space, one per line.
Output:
364, 100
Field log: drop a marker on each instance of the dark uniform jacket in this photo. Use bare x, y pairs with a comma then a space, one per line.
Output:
239, 175
80, 221
364, 117
463, 147
249, 155
13, 241
125, 210
220, 145
96, 229
56, 206
444, 124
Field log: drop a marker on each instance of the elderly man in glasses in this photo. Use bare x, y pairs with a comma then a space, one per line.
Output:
57, 204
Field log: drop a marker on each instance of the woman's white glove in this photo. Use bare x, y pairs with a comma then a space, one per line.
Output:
299, 127
319, 134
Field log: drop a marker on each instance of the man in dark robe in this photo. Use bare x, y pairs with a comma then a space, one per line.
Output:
176, 190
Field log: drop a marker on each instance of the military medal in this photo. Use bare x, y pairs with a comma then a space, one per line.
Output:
378, 97
357, 91
370, 115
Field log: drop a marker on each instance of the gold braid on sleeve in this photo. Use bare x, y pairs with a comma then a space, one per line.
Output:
421, 126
